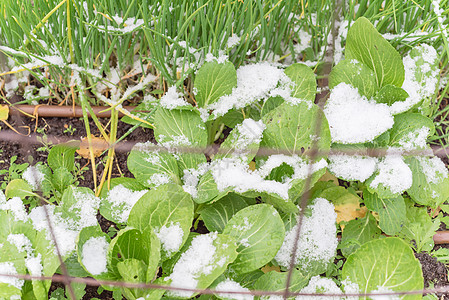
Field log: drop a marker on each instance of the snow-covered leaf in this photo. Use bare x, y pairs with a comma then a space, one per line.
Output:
204, 261
410, 131
356, 74
430, 185
168, 211
92, 249
259, 232
294, 128
152, 168
116, 203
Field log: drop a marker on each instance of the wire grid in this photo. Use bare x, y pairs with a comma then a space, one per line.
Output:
125, 146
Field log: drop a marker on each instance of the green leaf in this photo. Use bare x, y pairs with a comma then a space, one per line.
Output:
419, 228
410, 131
143, 111
430, 181
276, 281
388, 263
18, 188
216, 215
214, 80
366, 45
132, 270
222, 252
358, 75
131, 243
61, 179
357, 232
74, 268
292, 128
181, 128
259, 232
232, 118
270, 104
167, 210
390, 94
152, 168
392, 212
304, 81
116, 203
63, 156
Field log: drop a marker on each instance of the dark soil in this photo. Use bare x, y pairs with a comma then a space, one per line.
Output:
434, 272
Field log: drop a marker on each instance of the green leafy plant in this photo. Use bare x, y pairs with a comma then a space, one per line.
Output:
247, 190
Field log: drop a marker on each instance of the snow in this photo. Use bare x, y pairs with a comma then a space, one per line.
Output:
40, 62
318, 238
415, 139
353, 118
229, 173
232, 173
247, 133
7, 268
254, 82
320, 285
34, 265
352, 167
433, 168
172, 99
197, 260
221, 59
66, 229
393, 173
129, 25
233, 41
170, 237
15, 205
33, 176
122, 200
418, 88
229, 285
191, 179
94, 255
21, 242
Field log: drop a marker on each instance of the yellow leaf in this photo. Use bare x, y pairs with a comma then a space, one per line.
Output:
4, 112
347, 204
252, 166
329, 177
98, 146
268, 268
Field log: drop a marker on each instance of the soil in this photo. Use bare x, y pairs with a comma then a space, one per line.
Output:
434, 272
